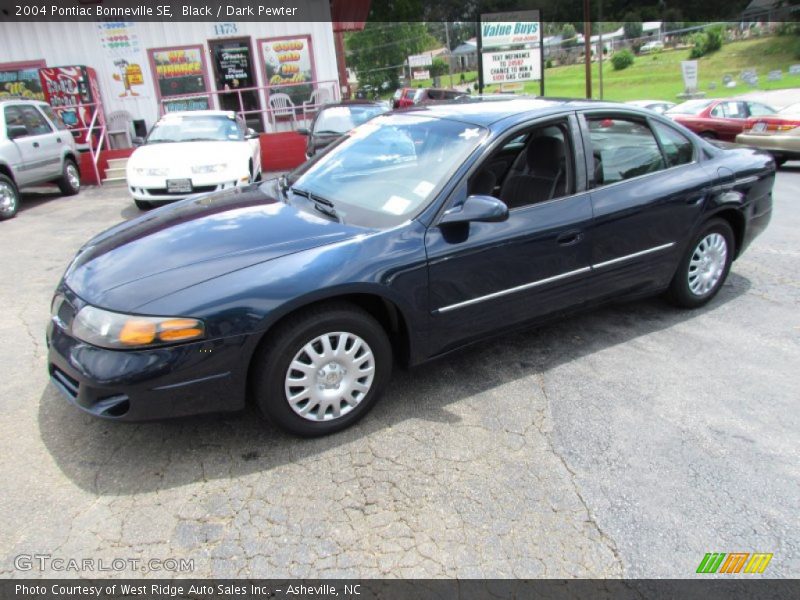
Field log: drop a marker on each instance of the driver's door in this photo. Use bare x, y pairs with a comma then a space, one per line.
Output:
487, 276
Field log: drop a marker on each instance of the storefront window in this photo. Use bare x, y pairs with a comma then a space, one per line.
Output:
180, 72
21, 79
288, 64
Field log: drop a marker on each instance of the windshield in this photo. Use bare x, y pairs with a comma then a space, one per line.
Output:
200, 128
690, 107
386, 171
341, 119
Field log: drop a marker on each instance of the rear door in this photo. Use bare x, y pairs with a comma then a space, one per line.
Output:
730, 117
648, 193
30, 165
43, 150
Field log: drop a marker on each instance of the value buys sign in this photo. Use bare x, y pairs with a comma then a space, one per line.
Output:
511, 66
510, 29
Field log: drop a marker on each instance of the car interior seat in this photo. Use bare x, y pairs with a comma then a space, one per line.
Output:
544, 177
483, 183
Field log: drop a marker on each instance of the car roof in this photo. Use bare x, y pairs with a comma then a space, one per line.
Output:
485, 113
13, 100
354, 101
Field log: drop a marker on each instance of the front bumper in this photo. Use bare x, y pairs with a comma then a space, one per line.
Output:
138, 385
156, 191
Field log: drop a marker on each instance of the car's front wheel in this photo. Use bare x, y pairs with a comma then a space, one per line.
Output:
70, 181
9, 198
705, 265
322, 370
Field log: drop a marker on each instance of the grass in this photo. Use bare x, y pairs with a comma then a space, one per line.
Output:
658, 76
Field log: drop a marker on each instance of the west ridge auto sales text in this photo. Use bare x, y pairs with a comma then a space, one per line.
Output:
159, 10
175, 590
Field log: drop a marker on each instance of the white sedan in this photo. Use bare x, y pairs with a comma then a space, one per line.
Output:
190, 153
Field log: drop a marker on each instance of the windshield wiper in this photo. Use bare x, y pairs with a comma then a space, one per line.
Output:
323, 205
201, 139
328, 132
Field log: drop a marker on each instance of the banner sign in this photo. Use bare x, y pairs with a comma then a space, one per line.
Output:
424, 74
511, 66
510, 29
420, 60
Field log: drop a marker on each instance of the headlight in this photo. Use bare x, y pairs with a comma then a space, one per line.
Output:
119, 331
217, 168
151, 172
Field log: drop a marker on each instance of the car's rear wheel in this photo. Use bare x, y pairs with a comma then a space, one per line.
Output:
322, 370
70, 181
705, 265
143, 204
9, 198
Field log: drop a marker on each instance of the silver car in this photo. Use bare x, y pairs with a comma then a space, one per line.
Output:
35, 148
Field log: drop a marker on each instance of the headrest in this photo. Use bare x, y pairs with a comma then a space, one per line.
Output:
545, 155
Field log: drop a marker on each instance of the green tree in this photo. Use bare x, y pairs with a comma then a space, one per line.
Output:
633, 26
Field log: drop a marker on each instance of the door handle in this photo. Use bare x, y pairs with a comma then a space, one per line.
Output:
35, 144
568, 238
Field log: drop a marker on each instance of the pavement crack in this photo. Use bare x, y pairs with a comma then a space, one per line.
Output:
547, 433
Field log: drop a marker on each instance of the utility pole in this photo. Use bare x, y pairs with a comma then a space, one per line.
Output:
587, 46
447, 43
602, 49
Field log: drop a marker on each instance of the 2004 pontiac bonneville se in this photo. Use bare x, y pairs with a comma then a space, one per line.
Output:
419, 232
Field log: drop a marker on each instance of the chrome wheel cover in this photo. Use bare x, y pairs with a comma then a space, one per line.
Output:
73, 178
8, 198
329, 376
707, 264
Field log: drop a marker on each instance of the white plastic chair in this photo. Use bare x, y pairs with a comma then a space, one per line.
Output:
119, 125
281, 105
318, 97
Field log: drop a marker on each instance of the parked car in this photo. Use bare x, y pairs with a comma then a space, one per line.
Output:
35, 148
717, 119
193, 152
779, 134
422, 231
653, 46
334, 120
659, 106
413, 96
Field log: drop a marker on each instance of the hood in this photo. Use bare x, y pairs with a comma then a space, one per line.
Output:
192, 241
181, 156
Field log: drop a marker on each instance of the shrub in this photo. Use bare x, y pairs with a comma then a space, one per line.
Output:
706, 42
548, 64
622, 59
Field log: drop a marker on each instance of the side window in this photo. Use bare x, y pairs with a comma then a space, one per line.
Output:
718, 111
34, 121
733, 110
526, 169
622, 148
54, 118
759, 110
13, 116
678, 149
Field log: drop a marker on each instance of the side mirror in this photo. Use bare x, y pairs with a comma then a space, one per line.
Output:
303, 131
137, 141
477, 208
251, 133
16, 131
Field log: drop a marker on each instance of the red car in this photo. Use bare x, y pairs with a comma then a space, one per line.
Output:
411, 96
717, 119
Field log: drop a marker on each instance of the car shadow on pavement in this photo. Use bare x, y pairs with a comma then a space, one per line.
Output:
33, 198
109, 458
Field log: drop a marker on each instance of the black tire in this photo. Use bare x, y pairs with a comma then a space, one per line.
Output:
70, 181
680, 291
143, 204
9, 198
271, 365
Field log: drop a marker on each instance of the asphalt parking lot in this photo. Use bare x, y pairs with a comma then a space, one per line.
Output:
625, 442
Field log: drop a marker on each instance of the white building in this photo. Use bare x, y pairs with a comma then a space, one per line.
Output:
143, 67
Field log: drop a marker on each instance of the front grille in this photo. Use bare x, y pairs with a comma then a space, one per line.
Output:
64, 381
198, 189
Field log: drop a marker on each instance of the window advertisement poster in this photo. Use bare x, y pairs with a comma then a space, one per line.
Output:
289, 62
511, 66
125, 58
180, 72
21, 80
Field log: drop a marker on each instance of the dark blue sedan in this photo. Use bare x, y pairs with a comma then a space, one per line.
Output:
418, 233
